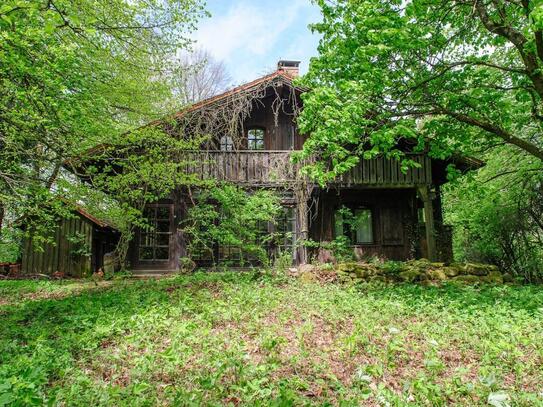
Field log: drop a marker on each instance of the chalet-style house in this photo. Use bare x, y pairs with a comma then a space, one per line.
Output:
401, 212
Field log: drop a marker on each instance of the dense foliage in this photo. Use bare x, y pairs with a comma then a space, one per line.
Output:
229, 216
457, 76
142, 167
234, 338
497, 214
74, 74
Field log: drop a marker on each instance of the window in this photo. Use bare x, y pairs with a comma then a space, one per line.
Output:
154, 241
356, 225
229, 255
226, 143
284, 229
255, 139
363, 226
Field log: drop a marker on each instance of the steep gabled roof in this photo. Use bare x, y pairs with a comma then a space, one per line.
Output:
238, 89
277, 75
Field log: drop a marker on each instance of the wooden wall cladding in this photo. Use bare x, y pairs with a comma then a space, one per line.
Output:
394, 216
61, 256
387, 171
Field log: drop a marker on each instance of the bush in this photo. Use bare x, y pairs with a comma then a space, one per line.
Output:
10, 245
227, 215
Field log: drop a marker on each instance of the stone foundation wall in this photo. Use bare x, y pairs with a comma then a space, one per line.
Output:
413, 271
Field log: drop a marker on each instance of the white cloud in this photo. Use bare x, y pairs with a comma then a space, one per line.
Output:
251, 29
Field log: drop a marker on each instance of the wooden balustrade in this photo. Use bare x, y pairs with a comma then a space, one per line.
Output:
271, 167
387, 171
243, 167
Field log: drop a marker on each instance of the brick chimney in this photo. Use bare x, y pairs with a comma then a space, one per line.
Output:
291, 68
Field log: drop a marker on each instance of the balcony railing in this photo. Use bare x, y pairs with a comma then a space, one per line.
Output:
387, 171
272, 167
245, 167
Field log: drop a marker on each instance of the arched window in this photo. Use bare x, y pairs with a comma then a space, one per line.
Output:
255, 139
227, 144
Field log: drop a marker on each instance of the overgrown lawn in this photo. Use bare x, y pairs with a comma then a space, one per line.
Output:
243, 338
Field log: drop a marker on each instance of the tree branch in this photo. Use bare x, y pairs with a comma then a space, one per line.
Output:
518, 40
498, 131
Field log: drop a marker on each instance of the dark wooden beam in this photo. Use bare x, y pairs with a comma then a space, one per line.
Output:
426, 196
302, 230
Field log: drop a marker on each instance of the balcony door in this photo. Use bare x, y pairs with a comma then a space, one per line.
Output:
154, 243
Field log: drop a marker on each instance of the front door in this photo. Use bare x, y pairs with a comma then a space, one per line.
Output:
154, 241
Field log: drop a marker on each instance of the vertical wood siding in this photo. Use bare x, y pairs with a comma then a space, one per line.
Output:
60, 256
271, 167
394, 219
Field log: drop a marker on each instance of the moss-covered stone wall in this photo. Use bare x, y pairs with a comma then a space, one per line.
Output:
413, 271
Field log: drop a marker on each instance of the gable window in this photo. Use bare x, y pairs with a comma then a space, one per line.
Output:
255, 139
226, 143
355, 224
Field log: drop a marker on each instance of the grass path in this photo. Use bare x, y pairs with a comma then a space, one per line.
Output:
237, 338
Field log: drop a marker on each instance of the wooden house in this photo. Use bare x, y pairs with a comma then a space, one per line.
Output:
399, 212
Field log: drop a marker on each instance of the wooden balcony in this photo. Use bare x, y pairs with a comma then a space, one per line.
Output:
274, 168
266, 167
387, 172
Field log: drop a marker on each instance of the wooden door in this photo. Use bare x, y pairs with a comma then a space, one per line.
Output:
155, 242
392, 230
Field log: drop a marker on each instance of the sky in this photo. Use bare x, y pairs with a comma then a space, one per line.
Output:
250, 36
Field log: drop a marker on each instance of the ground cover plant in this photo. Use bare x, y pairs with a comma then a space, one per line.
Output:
248, 338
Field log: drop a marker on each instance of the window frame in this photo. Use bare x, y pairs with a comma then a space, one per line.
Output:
150, 240
252, 142
350, 233
371, 227
227, 142
285, 228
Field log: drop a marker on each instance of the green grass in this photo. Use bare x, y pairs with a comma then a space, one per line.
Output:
237, 338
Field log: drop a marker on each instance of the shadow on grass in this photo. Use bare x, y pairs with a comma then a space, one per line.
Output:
48, 317
71, 319
42, 339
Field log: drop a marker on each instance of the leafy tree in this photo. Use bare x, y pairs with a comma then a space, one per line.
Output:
143, 166
497, 214
74, 74
457, 75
